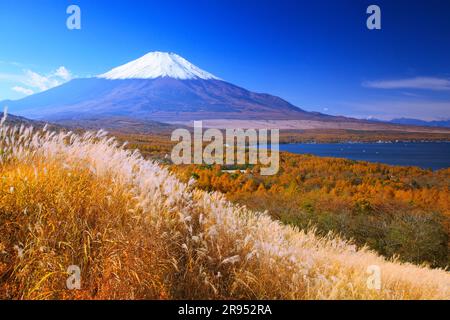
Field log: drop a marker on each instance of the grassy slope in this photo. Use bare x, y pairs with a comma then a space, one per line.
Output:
138, 232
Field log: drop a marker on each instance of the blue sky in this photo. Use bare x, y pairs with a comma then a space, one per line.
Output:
318, 55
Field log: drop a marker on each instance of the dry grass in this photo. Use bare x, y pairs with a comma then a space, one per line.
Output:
136, 232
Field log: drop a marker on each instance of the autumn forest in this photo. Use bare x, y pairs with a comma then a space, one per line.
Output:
401, 212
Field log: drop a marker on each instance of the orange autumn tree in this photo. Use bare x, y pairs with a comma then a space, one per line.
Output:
377, 205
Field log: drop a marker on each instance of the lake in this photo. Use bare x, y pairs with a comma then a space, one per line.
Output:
434, 155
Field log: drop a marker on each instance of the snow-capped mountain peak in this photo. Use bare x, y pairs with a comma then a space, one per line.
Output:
156, 65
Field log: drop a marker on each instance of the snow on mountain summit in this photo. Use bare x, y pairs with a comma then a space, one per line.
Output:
158, 64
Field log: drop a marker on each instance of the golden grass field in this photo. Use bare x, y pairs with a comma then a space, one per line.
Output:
137, 232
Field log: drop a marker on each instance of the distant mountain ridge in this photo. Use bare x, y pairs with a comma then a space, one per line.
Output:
417, 122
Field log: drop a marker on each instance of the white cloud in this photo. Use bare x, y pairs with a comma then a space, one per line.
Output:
35, 80
30, 82
23, 90
423, 83
63, 73
56, 78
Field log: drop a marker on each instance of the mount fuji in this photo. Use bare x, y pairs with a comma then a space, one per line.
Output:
159, 86
158, 65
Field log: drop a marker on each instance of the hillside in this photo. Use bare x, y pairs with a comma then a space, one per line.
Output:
124, 125
136, 231
16, 120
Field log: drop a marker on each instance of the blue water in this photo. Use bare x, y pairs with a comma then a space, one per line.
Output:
428, 155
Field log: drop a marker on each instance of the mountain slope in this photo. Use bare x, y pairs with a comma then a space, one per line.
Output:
161, 99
